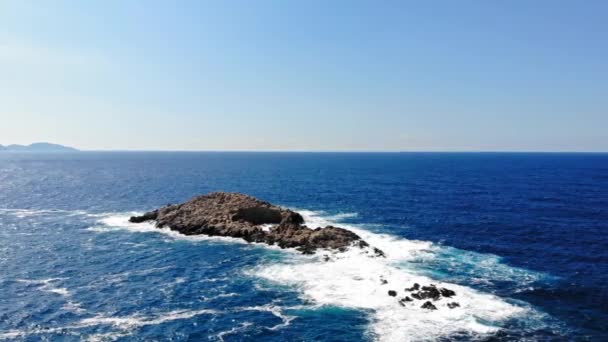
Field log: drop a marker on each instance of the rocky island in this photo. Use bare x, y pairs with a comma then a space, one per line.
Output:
253, 220
245, 217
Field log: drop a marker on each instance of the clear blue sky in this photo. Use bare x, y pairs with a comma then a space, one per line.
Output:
306, 75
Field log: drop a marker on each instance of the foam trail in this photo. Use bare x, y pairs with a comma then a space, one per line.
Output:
47, 285
276, 311
136, 321
353, 280
22, 213
111, 222
241, 327
120, 221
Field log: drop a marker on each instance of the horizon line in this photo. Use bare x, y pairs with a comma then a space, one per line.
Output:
341, 151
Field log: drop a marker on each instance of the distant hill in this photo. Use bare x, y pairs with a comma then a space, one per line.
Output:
37, 147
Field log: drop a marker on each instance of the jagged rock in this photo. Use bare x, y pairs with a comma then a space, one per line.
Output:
453, 305
378, 252
415, 287
446, 292
404, 300
145, 217
431, 292
428, 305
392, 293
241, 216
434, 295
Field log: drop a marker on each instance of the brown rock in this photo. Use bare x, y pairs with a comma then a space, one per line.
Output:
241, 216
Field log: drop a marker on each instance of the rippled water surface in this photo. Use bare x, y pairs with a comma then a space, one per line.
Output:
521, 238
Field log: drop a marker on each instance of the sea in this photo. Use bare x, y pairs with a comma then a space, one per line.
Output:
522, 238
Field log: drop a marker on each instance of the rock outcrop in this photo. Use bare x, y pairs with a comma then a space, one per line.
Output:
429, 306
423, 293
241, 216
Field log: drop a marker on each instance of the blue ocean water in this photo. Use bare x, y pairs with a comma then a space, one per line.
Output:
521, 235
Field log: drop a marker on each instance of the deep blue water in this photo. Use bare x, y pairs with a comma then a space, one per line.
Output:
529, 228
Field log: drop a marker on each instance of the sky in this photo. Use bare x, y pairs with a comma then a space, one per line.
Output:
306, 75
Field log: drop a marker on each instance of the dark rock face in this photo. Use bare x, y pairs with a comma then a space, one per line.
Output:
241, 216
392, 293
447, 293
430, 292
258, 215
404, 300
429, 306
415, 287
379, 252
145, 217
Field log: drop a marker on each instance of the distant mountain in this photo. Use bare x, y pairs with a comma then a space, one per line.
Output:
37, 147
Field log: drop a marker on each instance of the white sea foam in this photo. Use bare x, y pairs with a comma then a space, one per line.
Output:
241, 327
221, 295
341, 216
74, 307
136, 321
20, 334
47, 285
276, 311
267, 227
120, 221
59, 290
213, 280
22, 213
12, 334
353, 280
104, 337
395, 248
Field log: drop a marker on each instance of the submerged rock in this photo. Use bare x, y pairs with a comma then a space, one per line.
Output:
404, 300
379, 252
241, 216
392, 293
453, 305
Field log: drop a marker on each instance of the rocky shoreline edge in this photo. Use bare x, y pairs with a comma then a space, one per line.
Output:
248, 218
